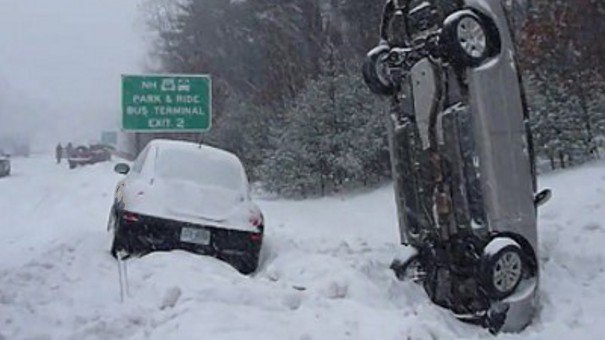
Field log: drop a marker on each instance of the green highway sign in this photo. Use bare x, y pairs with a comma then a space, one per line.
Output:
166, 103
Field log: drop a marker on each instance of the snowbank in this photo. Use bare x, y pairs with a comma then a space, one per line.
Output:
324, 273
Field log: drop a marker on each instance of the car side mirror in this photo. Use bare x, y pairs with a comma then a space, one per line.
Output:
122, 168
542, 197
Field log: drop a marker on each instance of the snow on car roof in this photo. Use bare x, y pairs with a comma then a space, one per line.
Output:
201, 164
206, 150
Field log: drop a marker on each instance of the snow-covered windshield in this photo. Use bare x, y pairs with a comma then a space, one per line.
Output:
200, 167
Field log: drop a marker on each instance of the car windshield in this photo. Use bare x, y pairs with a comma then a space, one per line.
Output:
200, 167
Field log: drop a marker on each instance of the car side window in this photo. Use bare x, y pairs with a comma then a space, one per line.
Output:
138, 163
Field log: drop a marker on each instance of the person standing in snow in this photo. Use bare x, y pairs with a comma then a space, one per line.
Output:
59, 153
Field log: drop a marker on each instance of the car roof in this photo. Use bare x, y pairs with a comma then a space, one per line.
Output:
206, 150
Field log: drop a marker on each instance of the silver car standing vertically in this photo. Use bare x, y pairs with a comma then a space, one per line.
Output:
462, 156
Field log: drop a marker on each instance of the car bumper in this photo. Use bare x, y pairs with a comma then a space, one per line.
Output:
150, 233
523, 305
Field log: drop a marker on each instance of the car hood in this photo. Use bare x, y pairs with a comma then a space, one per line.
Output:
190, 202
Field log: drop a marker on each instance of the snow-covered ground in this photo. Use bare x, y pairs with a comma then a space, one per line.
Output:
324, 275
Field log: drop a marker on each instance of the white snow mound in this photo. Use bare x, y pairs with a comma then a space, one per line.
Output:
324, 273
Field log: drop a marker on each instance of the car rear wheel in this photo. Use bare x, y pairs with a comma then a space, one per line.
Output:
375, 71
503, 268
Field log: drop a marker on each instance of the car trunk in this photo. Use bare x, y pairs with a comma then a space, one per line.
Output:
191, 200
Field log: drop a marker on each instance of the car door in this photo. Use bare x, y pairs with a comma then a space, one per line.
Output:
133, 174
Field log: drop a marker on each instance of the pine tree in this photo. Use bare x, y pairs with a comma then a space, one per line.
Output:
334, 140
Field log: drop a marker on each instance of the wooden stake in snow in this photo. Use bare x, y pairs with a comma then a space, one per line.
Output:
123, 275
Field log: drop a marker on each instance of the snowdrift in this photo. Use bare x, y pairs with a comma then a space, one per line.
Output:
324, 273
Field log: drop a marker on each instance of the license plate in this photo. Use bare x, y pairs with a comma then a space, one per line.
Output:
195, 236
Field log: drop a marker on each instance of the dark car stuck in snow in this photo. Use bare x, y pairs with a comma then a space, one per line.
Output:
181, 195
462, 157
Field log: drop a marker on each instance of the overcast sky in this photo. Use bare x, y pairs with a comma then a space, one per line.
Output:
60, 65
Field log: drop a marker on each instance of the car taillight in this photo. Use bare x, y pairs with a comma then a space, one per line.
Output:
256, 220
256, 237
130, 217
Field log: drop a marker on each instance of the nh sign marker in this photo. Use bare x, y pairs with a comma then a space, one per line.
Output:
166, 103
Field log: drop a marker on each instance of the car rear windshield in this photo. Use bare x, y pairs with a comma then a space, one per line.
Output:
200, 168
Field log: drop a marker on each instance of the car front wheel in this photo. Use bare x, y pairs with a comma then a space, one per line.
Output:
470, 39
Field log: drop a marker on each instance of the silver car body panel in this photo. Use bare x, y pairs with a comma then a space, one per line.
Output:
505, 165
424, 89
499, 123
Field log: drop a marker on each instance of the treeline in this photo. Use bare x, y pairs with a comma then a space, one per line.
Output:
563, 58
290, 101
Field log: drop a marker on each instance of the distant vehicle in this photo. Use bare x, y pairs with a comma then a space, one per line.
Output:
83, 155
5, 165
101, 152
182, 195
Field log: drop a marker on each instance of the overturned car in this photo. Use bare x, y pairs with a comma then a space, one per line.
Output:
462, 156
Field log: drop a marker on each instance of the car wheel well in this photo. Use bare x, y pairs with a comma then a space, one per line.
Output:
530, 255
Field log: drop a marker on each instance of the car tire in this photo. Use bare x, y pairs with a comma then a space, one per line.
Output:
469, 38
374, 74
502, 270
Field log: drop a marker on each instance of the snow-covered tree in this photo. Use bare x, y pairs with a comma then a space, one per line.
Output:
566, 76
334, 139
